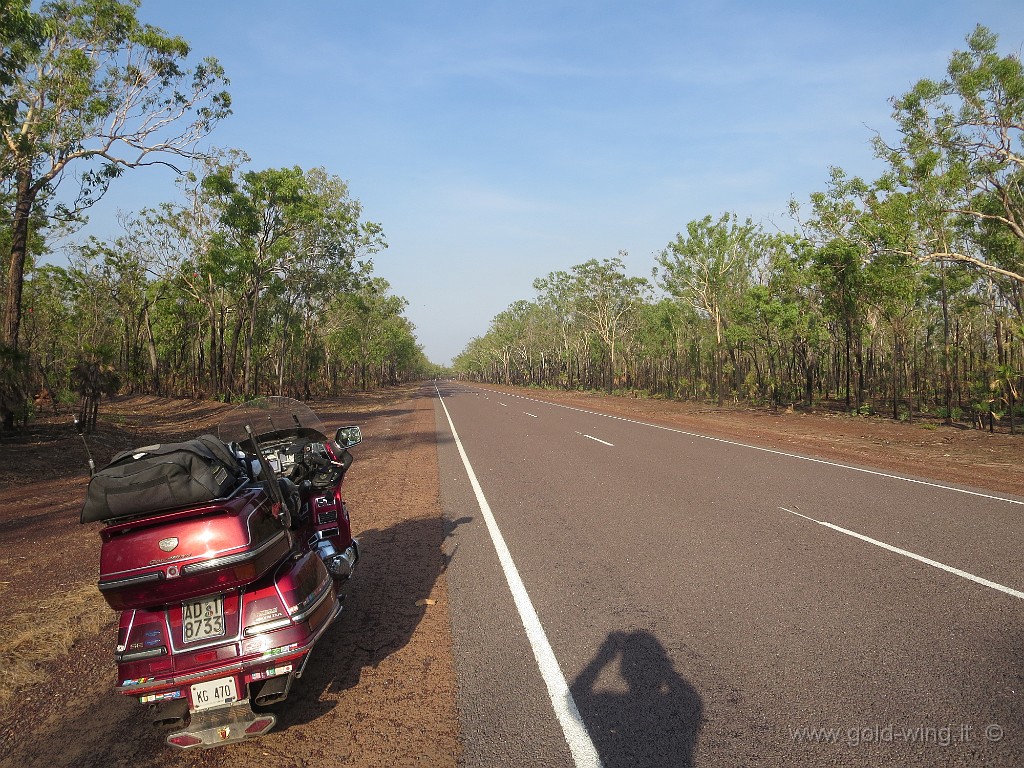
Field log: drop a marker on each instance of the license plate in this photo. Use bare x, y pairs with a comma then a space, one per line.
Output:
201, 619
214, 693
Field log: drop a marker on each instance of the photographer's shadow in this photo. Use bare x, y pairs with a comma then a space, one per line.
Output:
646, 714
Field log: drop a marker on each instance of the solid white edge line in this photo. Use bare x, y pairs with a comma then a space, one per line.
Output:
776, 452
584, 753
905, 553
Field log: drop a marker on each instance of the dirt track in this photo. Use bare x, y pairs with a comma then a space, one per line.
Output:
380, 689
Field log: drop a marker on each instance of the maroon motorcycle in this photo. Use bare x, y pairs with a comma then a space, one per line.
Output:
224, 556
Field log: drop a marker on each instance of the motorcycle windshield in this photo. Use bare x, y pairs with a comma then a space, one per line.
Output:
270, 418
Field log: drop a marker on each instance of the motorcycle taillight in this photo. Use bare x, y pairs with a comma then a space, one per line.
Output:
301, 588
263, 614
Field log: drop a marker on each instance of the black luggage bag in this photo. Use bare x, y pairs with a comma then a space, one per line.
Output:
161, 477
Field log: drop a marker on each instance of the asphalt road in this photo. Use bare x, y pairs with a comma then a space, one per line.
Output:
699, 611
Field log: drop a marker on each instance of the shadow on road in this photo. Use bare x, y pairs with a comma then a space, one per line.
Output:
639, 711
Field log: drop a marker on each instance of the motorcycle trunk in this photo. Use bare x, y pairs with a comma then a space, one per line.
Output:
204, 662
181, 554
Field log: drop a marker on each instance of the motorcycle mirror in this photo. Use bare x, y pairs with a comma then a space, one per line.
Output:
346, 437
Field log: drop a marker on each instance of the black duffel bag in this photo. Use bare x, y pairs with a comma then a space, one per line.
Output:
160, 477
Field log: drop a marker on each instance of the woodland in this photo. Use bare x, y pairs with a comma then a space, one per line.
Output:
902, 295
898, 296
246, 281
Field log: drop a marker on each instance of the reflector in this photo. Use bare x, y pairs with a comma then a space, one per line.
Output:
259, 725
183, 740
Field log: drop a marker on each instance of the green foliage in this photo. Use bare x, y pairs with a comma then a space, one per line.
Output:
89, 87
959, 160
254, 283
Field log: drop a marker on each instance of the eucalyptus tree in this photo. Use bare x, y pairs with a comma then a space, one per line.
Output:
838, 270
652, 347
556, 300
298, 230
332, 250
103, 92
471, 362
872, 244
259, 213
709, 268
20, 35
779, 319
174, 243
117, 279
600, 298
962, 148
362, 323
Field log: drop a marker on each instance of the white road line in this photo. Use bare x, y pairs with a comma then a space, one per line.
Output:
905, 553
530, 414
874, 472
599, 440
503, 405
584, 753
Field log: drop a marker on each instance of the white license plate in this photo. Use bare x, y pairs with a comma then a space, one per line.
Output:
214, 693
201, 619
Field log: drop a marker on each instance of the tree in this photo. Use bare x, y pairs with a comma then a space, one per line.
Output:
603, 300
21, 33
298, 232
104, 92
363, 322
708, 268
961, 151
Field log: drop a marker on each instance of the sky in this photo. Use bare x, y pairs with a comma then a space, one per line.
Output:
497, 142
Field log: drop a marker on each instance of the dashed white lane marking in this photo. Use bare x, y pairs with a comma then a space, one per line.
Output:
905, 553
598, 440
503, 405
530, 414
584, 753
775, 452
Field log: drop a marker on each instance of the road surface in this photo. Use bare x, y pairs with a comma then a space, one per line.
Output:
668, 599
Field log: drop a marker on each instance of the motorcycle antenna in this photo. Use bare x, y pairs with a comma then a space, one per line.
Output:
265, 474
80, 429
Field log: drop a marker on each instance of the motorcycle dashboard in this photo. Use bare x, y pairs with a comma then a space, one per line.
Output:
281, 462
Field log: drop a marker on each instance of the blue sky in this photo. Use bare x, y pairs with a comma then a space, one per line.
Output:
499, 141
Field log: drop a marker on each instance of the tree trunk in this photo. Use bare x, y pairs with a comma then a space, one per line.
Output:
213, 361
250, 336
151, 346
718, 360
230, 369
16, 265
849, 350
947, 372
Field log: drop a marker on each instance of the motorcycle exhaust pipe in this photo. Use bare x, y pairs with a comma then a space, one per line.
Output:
171, 715
274, 690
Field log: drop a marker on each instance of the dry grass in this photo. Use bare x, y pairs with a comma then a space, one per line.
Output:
47, 633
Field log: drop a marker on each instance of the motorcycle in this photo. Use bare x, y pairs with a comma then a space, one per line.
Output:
225, 557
